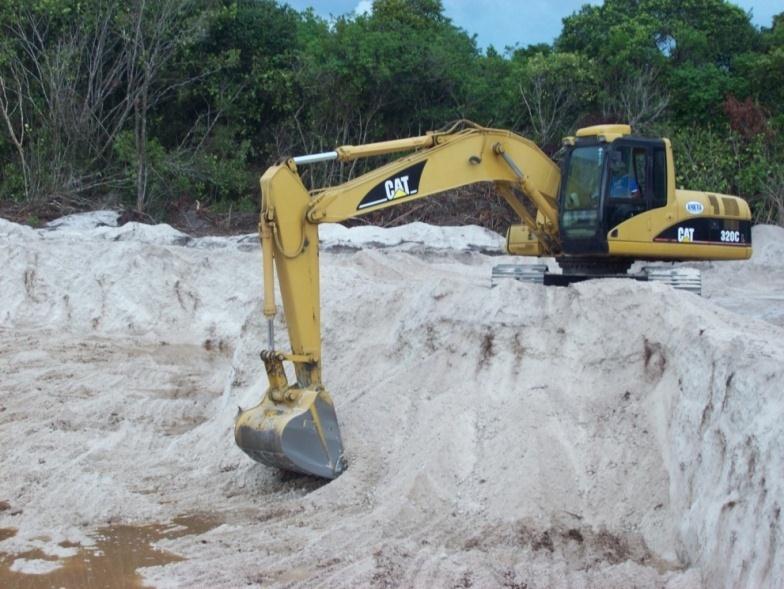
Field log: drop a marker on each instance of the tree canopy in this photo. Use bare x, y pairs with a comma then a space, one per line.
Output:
158, 103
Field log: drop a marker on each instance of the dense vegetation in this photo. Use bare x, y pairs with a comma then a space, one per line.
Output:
157, 104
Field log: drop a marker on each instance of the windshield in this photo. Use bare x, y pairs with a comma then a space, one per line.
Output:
584, 178
580, 213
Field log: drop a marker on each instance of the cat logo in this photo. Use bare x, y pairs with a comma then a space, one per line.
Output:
685, 234
397, 187
403, 184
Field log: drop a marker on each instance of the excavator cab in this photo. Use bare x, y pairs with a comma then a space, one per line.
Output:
608, 177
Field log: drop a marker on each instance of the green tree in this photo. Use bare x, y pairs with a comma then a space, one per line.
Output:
697, 31
761, 73
691, 43
553, 91
399, 71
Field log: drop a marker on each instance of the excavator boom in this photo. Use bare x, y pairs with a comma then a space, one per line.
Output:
295, 425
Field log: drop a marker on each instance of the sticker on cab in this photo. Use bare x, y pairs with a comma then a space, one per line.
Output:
694, 208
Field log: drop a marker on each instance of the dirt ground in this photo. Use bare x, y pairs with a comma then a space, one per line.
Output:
608, 434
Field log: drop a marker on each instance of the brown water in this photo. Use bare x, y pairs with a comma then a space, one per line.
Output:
6, 533
119, 551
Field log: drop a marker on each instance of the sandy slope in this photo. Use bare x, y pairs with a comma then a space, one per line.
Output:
608, 434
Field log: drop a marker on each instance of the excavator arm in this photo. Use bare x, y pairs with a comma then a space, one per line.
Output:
295, 427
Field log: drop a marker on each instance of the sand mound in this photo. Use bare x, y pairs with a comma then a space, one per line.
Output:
768, 242
603, 435
753, 287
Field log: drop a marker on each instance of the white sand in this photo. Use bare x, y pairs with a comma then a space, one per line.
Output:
33, 566
608, 434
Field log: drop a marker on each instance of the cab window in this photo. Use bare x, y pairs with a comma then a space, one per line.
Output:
627, 173
584, 178
659, 178
580, 218
627, 184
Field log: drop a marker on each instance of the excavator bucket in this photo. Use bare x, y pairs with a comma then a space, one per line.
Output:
298, 431
302, 436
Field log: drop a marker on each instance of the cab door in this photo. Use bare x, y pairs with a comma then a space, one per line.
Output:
580, 220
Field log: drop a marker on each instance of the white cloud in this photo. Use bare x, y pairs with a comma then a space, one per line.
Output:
364, 7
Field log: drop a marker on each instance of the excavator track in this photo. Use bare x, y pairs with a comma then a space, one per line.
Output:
688, 279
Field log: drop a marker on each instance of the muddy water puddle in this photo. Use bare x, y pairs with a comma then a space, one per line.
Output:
6, 533
113, 562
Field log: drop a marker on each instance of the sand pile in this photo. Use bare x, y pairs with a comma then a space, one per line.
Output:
607, 434
753, 287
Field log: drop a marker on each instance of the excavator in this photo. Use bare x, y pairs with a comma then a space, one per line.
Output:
611, 200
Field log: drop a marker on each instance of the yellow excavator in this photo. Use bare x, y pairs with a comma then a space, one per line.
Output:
611, 201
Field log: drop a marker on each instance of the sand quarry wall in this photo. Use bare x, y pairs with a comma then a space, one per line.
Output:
604, 434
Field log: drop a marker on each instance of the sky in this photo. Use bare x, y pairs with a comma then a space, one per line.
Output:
508, 22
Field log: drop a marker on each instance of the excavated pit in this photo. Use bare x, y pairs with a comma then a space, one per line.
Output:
608, 434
